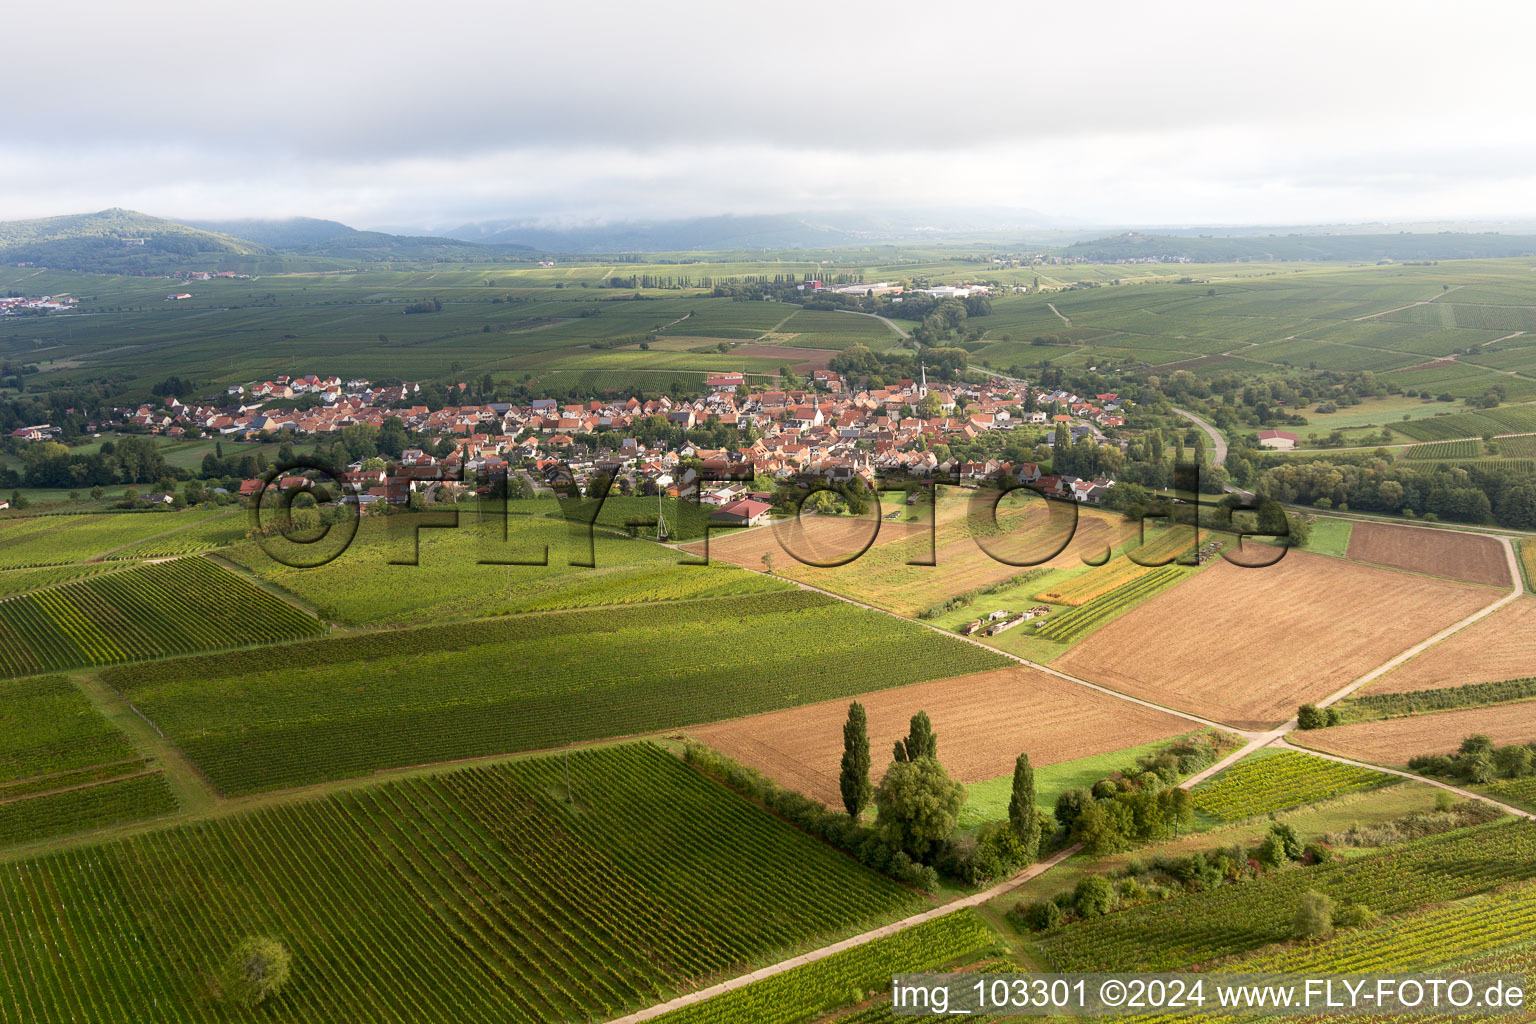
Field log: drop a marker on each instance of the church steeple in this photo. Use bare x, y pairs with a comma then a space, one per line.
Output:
922, 380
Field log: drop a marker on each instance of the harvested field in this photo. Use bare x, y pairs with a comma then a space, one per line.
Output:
881, 576
1457, 556
1247, 646
1502, 646
983, 721
1394, 740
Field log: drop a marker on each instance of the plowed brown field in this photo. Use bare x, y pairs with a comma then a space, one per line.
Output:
1502, 646
881, 576
1247, 646
983, 722
1393, 741
1457, 556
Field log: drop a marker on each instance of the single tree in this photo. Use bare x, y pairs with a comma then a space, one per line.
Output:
854, 777
257, 970
1021, 807
918, 807
921, 740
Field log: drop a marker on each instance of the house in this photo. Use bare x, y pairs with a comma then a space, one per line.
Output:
178, 296
743, 512
725, 382
4, 504
1278, 440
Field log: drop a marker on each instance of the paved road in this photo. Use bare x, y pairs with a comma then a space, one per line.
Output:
1218, 443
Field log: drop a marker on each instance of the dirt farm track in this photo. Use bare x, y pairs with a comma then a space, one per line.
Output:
1247, 646
982, 721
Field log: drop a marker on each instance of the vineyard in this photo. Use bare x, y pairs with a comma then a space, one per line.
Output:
61, 539
1527, 551
1517, 446
1079, 590
1520, 791
345, 706
47, 726
479, 894
811, 990
1480, 934
1260, 785
214, 531
65, 768
131, 797
1365, 706
1077, 623
1180, 932
18, 581
1446, 450
366, 586
147, 611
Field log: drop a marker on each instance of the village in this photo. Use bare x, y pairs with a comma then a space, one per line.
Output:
827, 430
20, 305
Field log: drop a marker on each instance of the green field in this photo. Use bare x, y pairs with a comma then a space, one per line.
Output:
285, 716
478, 894
148, 611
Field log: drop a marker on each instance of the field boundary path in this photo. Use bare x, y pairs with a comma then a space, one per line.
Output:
193, 792
1064, 318
877, 316
884, 931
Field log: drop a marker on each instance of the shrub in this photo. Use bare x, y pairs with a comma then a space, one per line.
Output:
1318, 853
1310, 716
1314, 916
1070, 804
1355, 915
1432, 764
1039, 916
1093, 897
1513, 761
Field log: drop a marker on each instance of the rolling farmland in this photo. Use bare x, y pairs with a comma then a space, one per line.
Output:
148, 611
370, 584
471, 895
333, 708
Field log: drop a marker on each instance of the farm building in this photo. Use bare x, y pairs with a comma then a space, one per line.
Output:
745, 512
1278, 440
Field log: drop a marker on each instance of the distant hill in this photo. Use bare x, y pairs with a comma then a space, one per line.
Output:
1445, 245
277, 234
762, 231
365, 245
114, 241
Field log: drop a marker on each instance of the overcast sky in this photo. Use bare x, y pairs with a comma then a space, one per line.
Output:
432, 114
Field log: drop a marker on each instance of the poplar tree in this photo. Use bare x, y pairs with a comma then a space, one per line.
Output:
1021, 808
854, 778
